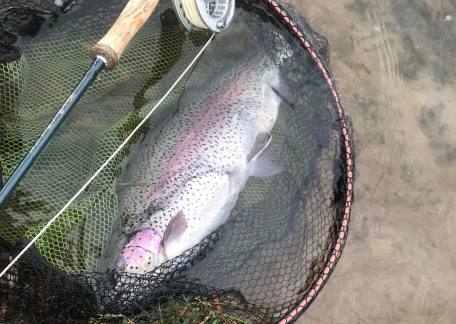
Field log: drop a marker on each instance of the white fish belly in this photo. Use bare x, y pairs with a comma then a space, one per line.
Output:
201, 159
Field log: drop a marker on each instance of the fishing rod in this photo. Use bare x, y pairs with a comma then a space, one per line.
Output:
213, 15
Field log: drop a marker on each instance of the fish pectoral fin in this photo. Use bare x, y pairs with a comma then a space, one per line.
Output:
262, 142
264, 167
176, 227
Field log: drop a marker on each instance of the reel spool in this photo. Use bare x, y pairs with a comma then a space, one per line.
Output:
214, 15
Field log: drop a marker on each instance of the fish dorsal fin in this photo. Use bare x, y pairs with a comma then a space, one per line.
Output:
176, 227
262, 142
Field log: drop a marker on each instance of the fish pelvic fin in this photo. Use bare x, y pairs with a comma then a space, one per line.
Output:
176, 227
263, 166
261, 159
262, 142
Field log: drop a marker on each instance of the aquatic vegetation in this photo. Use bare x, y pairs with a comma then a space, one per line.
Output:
186, 311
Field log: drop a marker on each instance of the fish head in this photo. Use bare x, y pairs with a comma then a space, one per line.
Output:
143, 253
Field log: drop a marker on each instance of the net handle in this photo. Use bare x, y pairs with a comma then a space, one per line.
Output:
103, 166
130, 21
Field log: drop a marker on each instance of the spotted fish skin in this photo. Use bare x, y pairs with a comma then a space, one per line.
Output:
201, 160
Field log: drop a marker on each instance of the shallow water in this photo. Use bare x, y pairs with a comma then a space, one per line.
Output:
394, 62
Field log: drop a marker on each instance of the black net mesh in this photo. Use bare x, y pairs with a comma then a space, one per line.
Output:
284, 236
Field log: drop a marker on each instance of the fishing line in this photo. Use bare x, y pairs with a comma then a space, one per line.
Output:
192, 13
114, 154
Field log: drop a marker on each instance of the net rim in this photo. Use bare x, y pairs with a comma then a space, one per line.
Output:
338, 244
347, 156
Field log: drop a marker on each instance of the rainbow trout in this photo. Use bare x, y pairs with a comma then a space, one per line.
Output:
200, 161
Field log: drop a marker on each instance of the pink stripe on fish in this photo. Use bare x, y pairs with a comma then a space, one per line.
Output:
193, 133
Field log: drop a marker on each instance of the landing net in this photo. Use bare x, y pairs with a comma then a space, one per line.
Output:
286, 233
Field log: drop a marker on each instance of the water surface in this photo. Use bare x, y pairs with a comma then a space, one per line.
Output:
394, 62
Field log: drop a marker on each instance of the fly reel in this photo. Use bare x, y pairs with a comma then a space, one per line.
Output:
213, 15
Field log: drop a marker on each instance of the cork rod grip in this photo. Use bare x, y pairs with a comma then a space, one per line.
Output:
130, 21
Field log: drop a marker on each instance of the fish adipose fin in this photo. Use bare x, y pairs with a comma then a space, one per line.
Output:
176, 227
